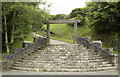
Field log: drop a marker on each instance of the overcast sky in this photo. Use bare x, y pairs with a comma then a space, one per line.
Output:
64, 6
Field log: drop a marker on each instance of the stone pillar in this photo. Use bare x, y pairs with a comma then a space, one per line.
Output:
99, 43
26, 43
48, 33
116, 56
119, 65
75, 33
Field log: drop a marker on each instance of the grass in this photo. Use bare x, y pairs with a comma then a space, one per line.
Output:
44, 70
18, 43
0, 56
52, 70
65, 32
114, 52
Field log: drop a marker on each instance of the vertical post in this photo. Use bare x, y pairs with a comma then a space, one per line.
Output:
75, 32
48, 33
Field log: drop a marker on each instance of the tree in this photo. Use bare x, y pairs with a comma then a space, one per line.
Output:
6, 10
103, 18
79, 13
21, 18
59, 16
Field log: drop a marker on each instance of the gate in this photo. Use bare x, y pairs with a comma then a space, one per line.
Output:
75, 21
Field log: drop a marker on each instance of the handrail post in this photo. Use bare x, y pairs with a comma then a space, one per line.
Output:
48, 33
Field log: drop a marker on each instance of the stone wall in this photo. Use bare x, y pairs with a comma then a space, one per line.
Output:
105, 54
7, 63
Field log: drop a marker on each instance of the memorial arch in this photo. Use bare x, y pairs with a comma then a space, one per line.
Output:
75, 21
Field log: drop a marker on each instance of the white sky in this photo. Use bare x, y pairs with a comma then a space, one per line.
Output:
64, 6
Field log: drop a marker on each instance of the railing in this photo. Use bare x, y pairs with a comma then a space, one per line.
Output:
113, 59
21, 54
83, 39
25, 48
95, 45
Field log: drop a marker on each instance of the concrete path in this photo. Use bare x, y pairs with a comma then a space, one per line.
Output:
59, 73
51, 40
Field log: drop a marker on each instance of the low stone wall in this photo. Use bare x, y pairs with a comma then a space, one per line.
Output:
106, 55
7, 63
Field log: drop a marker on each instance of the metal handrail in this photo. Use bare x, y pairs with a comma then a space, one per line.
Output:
96, 45
25, 48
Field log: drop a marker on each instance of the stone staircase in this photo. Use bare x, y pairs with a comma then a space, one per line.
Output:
63, 58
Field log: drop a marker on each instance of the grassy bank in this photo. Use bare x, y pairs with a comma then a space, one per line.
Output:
18, 43
65, 32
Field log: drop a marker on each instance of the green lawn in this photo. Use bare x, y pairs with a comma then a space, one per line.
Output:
18, 43
65, 32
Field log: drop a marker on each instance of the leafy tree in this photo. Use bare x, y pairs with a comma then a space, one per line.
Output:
21, 18
79, 13
59, 16
6, 10
67, 16
103, 18
51, 17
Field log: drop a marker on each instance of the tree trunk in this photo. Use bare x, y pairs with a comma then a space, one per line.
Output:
13, 27
6, 35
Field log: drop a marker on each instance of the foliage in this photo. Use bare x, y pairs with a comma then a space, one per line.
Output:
103, 18
18, 43
21, 19
115, 42
59, 16
79, 13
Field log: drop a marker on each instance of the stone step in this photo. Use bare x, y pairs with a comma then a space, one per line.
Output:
62, 63
83, 59
63, 70
47, 59
65, 45
67, 60
63, 58
61, 66
66, 50
63, 54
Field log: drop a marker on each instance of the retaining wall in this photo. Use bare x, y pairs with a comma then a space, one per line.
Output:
11, 59
113, 59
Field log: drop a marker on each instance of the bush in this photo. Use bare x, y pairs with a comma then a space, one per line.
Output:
115, 42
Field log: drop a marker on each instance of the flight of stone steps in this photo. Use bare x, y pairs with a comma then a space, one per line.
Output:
63, 58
